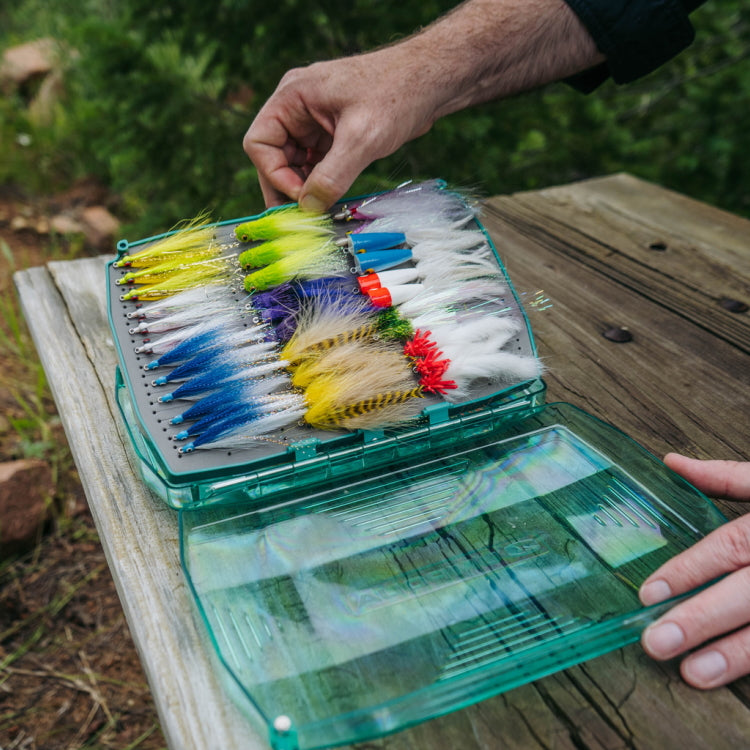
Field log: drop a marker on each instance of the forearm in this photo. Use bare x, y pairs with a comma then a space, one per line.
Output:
325, 123
487, 49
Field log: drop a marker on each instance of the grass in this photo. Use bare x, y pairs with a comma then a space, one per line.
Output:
32, 427
70, 677
14, 338
69, 674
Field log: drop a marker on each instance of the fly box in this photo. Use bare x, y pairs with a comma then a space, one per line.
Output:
364, 563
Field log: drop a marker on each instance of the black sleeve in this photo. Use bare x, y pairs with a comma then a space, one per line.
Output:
636, 36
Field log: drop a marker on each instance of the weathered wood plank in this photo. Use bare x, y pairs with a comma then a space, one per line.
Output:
674, 386
140, 537
720, 236
610, 225
668, 713
83, 289
138, 533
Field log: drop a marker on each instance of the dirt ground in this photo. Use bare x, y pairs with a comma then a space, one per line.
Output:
69, 672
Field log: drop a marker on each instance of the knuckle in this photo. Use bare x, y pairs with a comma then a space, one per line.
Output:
326, 185
372, 133
735, 544
292, 76
380, 136
740, 652
248, 143
326, 181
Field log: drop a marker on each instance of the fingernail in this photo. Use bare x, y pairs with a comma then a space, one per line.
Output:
705, 669
663, 641
655, 592
312, 203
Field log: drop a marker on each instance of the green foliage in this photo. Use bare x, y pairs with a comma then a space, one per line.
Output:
24, 381
154, 106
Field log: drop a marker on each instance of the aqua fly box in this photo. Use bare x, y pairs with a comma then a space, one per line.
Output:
357, 582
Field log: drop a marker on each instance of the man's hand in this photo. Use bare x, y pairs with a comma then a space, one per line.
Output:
325, 123
720, 613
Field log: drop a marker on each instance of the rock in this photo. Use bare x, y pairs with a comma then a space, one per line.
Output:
85, 191
64, 224
25, 490
43, 107
19, 223
99, 226
23, 62
96, 223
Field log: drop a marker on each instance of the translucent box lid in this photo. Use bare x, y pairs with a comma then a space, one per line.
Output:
346, 611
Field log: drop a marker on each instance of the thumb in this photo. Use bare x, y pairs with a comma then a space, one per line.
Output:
331, 177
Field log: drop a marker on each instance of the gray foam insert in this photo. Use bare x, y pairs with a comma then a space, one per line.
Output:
154, 416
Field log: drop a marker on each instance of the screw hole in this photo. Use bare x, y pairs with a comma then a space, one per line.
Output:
618, 334
733, 305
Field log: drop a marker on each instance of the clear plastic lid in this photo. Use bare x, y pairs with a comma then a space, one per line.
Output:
348, 612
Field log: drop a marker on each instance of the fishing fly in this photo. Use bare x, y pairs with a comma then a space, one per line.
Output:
351, 320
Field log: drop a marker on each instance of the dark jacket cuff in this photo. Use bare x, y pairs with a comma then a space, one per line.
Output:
636, 36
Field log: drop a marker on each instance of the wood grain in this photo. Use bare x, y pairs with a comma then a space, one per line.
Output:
611, 225
674, 386
681, 383
138, 532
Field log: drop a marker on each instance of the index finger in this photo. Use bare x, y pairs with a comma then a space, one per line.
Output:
271, 148
272, 196
725, 479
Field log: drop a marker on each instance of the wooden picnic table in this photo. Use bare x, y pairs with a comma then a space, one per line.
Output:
610, 253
